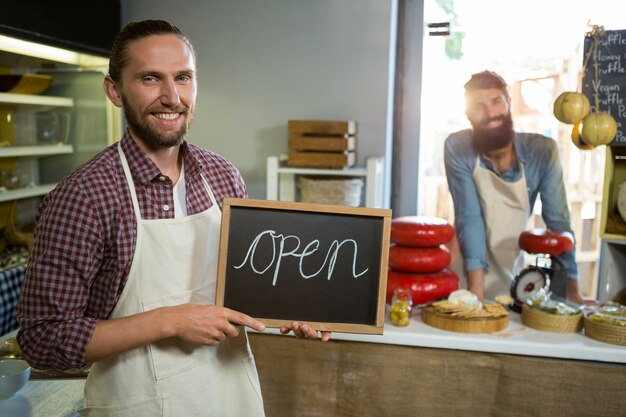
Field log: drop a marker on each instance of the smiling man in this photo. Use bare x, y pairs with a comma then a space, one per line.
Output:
495, 175
123, 271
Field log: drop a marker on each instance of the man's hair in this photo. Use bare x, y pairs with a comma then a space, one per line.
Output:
135, 31
484, 80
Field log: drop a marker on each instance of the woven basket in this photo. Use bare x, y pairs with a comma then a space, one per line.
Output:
605, 332
331, 190
540, 320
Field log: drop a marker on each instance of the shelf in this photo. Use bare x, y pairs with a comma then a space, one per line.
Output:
281, 179
614, 238
35, 150
348, 172
76, 90
26, 192
33, 100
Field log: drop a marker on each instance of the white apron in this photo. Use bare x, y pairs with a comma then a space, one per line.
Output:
175, 262
506, 210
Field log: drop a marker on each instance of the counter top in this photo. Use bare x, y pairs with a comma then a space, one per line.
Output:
516, 339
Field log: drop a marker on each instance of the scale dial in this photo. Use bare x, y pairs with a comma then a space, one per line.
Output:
527, 281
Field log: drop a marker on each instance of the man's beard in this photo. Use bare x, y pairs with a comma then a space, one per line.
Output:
491, 139
152, 136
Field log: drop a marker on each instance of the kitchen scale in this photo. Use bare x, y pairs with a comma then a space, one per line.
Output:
528, 280
547, 273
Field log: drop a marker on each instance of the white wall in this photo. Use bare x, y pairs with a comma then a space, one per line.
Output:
263, 62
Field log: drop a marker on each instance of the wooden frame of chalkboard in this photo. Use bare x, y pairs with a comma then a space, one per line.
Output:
317, 264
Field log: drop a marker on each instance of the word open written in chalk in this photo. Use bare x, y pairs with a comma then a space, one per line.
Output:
280, 249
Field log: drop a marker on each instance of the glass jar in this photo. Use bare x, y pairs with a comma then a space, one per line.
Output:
401, 305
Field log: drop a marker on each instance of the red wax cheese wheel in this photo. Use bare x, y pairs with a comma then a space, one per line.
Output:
421, 231
545, 241
424, 287
411, 259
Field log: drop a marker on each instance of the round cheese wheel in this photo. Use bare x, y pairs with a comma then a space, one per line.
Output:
413, 259
424, 287
546, 241
421, 231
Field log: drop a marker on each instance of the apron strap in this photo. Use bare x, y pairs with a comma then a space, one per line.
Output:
209, 191
129, 180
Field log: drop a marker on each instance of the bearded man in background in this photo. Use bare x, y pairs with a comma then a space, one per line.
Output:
495, 175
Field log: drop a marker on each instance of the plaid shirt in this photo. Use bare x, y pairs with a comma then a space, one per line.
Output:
85, 241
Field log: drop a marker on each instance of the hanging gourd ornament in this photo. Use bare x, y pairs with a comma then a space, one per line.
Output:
599, 128
577, 140
571, 107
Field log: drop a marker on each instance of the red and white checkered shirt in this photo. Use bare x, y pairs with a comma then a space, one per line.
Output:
85, 240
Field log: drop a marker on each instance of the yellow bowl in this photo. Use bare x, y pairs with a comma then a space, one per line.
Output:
24, 83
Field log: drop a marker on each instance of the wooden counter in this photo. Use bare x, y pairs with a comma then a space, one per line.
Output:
423, 371
349, 379
412, 371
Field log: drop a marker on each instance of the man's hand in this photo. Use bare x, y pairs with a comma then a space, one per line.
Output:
202, 324
476, 283
572, 294
206, 324
304, 331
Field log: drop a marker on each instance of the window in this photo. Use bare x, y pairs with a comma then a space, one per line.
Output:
537, 47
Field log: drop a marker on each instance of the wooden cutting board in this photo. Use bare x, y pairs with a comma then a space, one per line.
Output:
434, 318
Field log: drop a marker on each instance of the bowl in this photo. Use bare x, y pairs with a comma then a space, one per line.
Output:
14, 374
24, 83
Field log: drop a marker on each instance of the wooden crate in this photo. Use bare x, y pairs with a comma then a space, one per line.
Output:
322, 143
322, 127
321, 159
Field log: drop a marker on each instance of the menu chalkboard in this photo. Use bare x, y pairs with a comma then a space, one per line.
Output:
324, 265
611, 85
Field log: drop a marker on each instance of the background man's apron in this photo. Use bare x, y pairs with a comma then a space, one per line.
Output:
175, 262
506, 210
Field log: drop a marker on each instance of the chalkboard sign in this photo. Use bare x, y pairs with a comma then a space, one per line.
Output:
611, 60
320, 264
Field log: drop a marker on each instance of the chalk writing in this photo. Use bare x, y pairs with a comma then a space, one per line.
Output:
279, 242
611, 83
613, 67
615, 38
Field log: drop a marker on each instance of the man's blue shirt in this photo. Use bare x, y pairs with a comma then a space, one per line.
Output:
544, 176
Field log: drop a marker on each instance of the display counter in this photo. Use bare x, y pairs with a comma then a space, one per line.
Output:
417, 370
423, 371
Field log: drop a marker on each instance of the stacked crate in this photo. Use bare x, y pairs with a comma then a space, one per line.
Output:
322, 143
